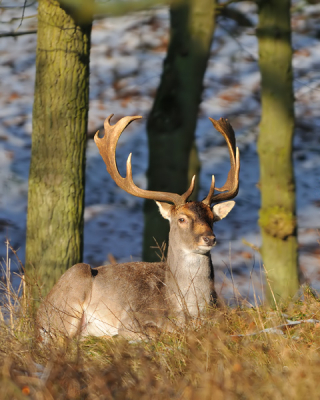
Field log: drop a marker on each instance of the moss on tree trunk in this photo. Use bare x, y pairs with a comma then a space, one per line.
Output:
57, 170
172, 121
278, 206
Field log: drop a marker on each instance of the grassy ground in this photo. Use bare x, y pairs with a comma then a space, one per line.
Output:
231, 353
206, 361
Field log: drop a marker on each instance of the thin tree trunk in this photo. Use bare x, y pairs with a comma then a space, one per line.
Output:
57, 170
172, 121
278, 206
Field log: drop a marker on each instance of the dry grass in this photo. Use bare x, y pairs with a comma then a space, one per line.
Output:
209, 360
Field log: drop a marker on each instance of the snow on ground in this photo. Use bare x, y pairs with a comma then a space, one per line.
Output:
126, 63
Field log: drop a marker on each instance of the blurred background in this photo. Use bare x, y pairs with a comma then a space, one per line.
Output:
126, 62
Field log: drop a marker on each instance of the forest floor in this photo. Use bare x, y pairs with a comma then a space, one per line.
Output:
126, 63
229, 353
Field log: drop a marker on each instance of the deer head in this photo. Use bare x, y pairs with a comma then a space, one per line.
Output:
191, 223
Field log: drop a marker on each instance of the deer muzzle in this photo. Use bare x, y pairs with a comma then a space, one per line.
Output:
209, 240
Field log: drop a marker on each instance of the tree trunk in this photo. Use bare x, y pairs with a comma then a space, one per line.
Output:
172, 121
57, 170
278, 209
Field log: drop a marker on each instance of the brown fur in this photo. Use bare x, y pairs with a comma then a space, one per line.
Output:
132, 299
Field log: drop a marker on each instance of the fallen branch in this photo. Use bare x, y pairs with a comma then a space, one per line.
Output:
279, 330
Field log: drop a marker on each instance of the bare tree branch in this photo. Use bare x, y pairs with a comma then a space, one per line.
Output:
14, 34
23, 11
24, 5
84, 9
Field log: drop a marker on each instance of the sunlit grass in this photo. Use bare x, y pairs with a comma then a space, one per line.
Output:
228, 354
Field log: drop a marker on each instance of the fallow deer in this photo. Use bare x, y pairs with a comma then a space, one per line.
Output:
130, 298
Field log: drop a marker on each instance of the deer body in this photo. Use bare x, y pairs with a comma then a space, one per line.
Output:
124, 299
132, 299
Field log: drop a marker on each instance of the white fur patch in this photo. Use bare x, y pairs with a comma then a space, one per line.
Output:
165, 209
95, 326
221, 210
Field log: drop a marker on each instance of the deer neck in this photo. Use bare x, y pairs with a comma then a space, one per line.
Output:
189, 279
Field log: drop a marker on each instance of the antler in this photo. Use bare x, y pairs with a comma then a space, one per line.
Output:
107, 148
231, 187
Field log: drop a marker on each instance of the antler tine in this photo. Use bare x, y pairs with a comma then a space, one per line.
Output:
188, 193
107, 149
231, 187
207, 200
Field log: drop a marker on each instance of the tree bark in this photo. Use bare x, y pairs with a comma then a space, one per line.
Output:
172, 121
278, 206
57, 170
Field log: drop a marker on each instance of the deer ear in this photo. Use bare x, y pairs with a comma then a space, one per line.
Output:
222, 210
165, 209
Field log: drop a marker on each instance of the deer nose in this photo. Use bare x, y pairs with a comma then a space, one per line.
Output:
210, 241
